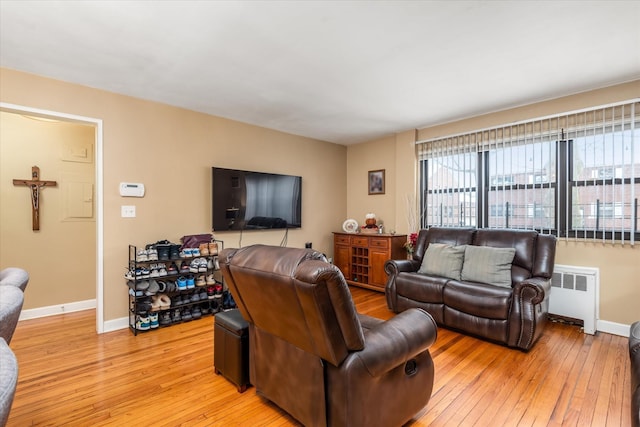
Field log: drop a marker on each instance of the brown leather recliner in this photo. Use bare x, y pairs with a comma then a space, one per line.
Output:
313, 355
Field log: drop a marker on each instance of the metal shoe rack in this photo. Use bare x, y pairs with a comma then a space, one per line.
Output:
184, 304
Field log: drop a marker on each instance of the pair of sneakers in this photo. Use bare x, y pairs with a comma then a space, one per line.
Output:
149, 254
198, 265
185, 283
146, 321
208, 249
189, 252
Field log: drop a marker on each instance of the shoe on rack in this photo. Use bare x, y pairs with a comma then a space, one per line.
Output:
195, 252
153, 287
176, 301
154, 271
191, 283
210, 280
174, 251
218, 288
153, 320
165, 301
195, 297
182, 283
185, 267
202, 265
211, 291
194, 266
196, 312
142, 255
162, 270
204, 308
228, 303
215, 306
155, 303
131, 274
186, 314
172, 269
200, 280
163, 250
143, 305
204, 249
142, 321
176, 317
152, 253
165, 318
213, 248
162, 286
171, 286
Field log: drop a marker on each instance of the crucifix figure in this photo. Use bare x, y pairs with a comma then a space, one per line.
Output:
35, 185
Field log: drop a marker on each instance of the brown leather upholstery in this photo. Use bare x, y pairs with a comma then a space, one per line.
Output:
313, 355
634, 353
513, 316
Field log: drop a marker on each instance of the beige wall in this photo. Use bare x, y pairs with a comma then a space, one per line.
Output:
171, 150
619, 266
61, 255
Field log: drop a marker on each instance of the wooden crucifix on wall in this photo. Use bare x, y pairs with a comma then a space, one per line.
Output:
35, 186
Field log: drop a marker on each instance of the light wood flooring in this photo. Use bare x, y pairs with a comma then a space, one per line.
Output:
70, 376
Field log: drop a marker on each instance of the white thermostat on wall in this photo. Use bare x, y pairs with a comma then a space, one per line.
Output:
131, 189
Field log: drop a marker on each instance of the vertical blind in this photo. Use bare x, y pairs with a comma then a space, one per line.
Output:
575, 174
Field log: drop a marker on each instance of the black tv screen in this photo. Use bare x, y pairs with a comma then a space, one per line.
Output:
246, 200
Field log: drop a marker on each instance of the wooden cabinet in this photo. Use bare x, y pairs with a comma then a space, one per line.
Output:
361, 257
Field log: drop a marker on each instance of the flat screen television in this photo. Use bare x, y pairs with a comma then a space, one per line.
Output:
247, 200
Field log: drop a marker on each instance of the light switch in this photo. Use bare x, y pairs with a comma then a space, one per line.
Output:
128, 211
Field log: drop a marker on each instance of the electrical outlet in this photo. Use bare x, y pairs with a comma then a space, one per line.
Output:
128, 211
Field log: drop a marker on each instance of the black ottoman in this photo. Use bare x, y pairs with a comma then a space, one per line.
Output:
231, 348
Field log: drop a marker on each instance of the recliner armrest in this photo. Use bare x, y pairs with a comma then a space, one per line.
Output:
539, 285
397, 340
395, 266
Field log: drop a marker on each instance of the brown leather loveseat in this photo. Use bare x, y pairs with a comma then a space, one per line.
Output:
313, 355
467, 281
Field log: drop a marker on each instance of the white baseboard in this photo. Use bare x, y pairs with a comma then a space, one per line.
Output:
613, 328
116, 324
52, 310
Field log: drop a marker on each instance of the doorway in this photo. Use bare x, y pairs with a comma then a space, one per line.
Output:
74, 203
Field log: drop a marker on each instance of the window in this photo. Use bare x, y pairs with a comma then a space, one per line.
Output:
574, 175
604, 182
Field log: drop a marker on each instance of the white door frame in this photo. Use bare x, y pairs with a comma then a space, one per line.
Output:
20, 109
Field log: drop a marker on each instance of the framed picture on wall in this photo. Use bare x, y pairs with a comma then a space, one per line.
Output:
376, 182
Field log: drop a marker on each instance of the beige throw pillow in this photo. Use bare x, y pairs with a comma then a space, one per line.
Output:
443, 260
485, 264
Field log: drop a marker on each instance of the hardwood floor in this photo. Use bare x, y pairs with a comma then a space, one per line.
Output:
71, 376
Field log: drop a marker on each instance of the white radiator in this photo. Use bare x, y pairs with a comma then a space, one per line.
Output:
574, 294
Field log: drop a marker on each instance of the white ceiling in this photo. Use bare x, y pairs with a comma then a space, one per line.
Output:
339, 71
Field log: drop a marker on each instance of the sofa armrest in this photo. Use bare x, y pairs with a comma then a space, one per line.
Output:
397, 340
532, 290
529, 312
395, 266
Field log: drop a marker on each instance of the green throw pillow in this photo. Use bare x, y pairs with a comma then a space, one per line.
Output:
443, 260
485, 264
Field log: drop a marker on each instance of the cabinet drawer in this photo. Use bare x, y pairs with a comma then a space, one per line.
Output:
342, 240
359, 241
379, 243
